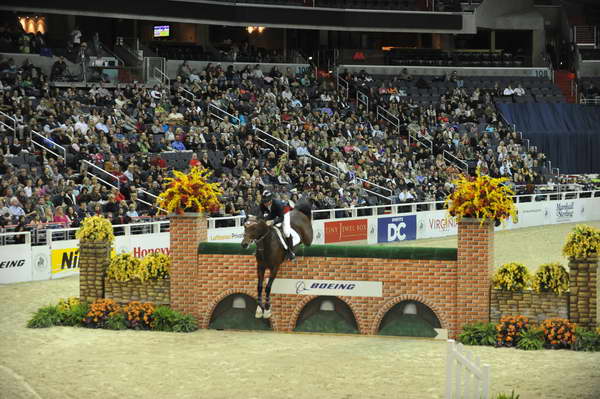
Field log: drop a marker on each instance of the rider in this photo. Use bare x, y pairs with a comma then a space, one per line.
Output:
275, 212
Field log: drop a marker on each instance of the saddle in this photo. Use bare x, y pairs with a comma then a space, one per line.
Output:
279, 230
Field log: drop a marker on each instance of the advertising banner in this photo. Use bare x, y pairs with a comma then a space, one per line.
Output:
227, 234
40, 262
64, 258
397, 228
142, 245
435, 224
346, 230
327, 287
15, 264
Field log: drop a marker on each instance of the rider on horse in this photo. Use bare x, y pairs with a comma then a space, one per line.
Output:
275, 212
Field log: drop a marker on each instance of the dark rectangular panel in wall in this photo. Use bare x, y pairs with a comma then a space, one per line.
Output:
223, 13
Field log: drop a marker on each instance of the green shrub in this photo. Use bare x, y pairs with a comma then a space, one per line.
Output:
116, 321
478, 334
551, 277
512, 395
531, 339
586, 340
164, 318
185, 323
74, 315
47, 316
511, 277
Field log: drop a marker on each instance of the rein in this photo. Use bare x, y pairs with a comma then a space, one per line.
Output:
259, 240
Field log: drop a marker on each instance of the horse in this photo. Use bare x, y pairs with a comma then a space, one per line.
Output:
270, 252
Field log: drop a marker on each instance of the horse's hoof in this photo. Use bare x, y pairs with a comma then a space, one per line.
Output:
259, 312
267, 314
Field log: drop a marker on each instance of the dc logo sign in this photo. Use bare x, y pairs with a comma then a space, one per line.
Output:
397, 228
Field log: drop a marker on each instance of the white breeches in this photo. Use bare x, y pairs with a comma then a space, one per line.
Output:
287, 227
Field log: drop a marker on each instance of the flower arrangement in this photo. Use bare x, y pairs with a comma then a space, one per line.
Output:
511, 277
138, 315
559, 333
551, 277
582, 242
190, 192
481, 197
100, 311
126, 267
509, 330
154, 266
95, 229
123, 267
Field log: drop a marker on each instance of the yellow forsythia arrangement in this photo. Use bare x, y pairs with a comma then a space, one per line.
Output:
123, 267
154, 266
582, 242
559, 333
511, 277
126, 267
481, 197
95, 229
190, 192
551, 277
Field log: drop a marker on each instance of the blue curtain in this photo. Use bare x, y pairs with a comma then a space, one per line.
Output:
569, 134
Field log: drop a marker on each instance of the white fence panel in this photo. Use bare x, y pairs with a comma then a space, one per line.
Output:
466, 377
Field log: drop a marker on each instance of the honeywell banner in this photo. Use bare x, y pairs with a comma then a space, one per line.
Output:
327, 287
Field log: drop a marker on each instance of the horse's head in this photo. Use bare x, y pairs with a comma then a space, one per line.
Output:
254, 229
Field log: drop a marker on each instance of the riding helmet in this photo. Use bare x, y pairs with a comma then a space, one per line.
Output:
267, 196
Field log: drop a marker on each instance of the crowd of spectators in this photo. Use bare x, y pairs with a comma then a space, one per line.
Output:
340, 154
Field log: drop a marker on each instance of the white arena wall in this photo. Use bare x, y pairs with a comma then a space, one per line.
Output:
59, 256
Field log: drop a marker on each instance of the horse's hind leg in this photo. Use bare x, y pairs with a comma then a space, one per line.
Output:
261, 276
272, 275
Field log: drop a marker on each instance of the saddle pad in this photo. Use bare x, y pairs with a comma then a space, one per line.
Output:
295, 237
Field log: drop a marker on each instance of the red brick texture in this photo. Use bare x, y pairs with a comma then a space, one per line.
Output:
456, 291
187, 231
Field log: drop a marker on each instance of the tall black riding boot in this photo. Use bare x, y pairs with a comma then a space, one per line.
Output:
290, 248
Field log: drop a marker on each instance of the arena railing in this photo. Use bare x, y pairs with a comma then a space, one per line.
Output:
104, 177
462, 165
342, 84
389, 117
10, 118
48, 144
591, 101
159, 75
12, 238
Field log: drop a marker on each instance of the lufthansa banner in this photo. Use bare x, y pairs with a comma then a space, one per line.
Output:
397, 228
327, 287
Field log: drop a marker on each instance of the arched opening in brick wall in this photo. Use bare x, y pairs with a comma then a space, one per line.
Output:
327, 314
236, 312
410, 319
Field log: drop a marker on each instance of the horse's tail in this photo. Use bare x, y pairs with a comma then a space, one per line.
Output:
305, 206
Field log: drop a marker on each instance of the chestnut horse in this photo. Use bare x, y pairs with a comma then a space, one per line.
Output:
270, 252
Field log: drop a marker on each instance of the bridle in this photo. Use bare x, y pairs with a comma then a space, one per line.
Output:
258, 240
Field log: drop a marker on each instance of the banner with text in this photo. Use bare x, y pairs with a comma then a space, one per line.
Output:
397, 228
226, 234
15, 264
346, 230
327, 287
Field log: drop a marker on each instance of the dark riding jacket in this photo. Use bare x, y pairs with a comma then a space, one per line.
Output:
278, 209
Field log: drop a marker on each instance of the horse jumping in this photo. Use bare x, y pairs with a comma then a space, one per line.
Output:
270, 252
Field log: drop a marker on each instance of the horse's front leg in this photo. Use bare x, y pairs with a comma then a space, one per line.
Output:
261, 275
272, 275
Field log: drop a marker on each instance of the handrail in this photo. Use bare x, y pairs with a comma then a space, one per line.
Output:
188, 92
51, 143
363, 98
223, 111
118, 182
465, 166
384, 111
162, 77
346, 85
14, 121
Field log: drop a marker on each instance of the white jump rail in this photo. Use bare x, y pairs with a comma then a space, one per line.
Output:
466, 377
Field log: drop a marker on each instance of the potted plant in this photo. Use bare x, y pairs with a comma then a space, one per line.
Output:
481, 197
191, 192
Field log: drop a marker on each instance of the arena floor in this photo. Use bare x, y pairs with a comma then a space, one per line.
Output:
63, 362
